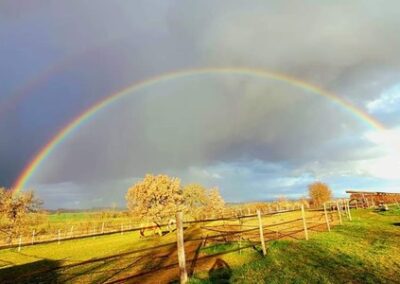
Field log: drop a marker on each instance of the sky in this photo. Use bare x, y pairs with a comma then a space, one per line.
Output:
254, 138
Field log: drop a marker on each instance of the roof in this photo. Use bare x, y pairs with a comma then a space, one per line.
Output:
373, 192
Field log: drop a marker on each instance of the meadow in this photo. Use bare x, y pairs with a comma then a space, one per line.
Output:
364, 250
49, 226
101, 259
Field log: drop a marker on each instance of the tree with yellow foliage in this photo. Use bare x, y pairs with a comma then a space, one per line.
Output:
155, 197
14, 211
195, 198
215, 202
319, 193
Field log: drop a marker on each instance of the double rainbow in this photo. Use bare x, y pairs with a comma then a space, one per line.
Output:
41, 156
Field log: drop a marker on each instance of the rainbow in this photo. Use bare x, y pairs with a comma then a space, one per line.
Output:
41, 156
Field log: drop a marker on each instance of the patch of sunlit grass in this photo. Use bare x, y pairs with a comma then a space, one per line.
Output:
366, 250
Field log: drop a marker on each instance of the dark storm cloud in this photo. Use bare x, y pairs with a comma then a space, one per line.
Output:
198, 128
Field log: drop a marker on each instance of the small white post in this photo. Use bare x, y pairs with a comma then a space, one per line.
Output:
59, 236
122, 229
71, 232
303, 215
19, 243
102, 228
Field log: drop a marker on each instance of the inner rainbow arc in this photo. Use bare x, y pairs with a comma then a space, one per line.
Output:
44, 152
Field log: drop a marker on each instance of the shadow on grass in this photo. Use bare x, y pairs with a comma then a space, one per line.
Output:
220, 272
96, 270
25, 273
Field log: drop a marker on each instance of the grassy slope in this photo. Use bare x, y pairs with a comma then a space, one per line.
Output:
366, 250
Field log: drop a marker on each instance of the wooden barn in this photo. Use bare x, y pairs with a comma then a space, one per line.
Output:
368, 198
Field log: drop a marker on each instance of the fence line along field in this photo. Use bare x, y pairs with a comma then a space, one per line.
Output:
169, 233
110, 258
43, 227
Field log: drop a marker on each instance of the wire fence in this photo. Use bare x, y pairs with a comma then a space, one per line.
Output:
71, 232
241, 231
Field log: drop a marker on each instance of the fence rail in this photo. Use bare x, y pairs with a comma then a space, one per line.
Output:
102, 229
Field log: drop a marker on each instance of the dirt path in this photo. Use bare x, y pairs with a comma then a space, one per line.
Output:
161, 266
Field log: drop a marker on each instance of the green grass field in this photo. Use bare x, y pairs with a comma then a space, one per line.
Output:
46, 226
366, 250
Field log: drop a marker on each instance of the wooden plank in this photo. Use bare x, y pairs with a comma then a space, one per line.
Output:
264, 250
181, 248
303, 215
339, 213
326, 219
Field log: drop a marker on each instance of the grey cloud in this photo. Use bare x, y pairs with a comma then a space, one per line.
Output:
199, 121
324, 43
202, 121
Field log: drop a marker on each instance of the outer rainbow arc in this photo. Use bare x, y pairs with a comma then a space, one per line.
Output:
26, 174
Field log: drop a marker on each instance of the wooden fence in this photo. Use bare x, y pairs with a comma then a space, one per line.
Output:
253, 230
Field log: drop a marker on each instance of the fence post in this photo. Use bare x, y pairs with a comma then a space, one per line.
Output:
348, 210
58, 236
339, 213
72, 231
19, 243
181, 248
33, 237
345, 208
303, 215
240, 236
326, 218
261, 233
122, 229
102, 228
